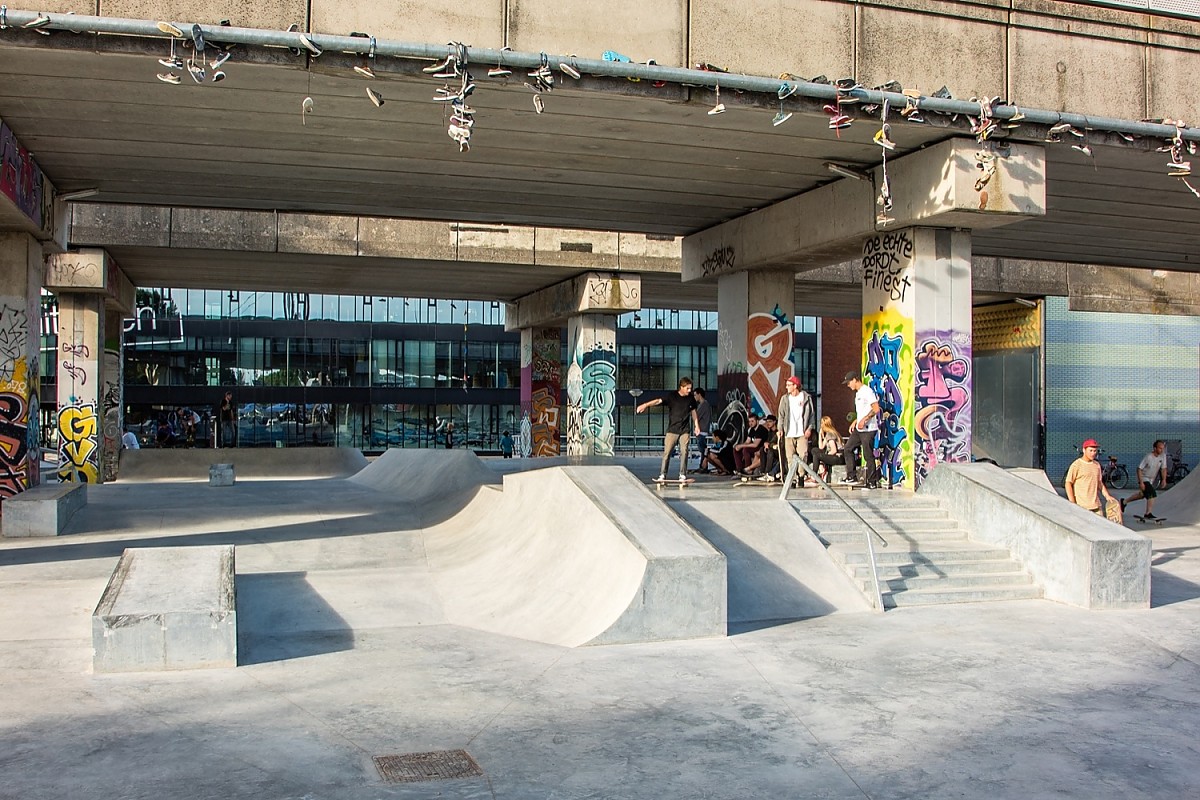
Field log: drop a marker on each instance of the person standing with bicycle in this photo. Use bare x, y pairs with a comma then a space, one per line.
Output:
1153, 466
1085, 483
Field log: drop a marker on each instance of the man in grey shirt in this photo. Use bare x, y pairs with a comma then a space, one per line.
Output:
704, 421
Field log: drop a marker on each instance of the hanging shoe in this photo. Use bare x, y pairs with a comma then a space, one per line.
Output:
366, 72
569, 69
538, 105
309, 45
883, 139
197, 39
196, 71
440, 66
306, 108
169, 77
170, 30
781, 117
375, 97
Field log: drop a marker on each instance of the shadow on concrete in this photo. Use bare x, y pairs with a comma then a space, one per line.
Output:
281, 617
1165, 588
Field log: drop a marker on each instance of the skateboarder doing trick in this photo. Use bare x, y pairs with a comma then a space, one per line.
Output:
681, 410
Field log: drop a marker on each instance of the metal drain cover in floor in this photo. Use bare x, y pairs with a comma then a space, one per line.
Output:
440, 765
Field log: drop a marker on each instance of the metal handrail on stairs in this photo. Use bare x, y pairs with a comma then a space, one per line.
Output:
783, 495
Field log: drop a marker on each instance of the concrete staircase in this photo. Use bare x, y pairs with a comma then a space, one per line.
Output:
929, 559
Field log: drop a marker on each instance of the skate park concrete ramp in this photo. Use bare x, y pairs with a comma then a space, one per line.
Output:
778, 569
267, 463
1180, 504
573, 556
425, 476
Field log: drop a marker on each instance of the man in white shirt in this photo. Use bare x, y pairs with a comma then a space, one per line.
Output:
796, 422
129, 441
1153, 467
862, 432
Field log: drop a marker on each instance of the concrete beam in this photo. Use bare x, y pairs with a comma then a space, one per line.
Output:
91, 271
592, 293
934, 187
1133, 291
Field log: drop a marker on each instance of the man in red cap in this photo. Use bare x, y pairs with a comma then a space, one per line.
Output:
797, 418
1084, 482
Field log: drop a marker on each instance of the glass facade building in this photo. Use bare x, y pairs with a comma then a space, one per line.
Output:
377, 372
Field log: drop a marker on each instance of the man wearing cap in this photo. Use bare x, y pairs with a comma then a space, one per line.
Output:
1084, 482
862, 432
797, 418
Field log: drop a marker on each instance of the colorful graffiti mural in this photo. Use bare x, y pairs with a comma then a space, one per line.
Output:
734, 399
110, 404
769, 342
78, 447
888, 333
14, 444
541, 372
942, 421
21, 179
592, 402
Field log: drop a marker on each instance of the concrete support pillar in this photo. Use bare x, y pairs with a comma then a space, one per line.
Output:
20, 316
917, 347
755, 339
541, 387
591, 384
112, 394
80, 359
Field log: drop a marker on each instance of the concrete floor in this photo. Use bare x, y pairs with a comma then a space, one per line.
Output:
345, 657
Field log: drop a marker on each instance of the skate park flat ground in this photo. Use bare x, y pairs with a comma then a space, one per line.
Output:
346, 654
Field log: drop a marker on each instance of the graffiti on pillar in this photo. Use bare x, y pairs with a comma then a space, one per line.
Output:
524, 443
942, 422
769, 342
78, 444
885, 355
20, 177
591, 404
886, 263
110, 404
543, 428
14, 444
545, 381
733, 397
721, 259
14, 336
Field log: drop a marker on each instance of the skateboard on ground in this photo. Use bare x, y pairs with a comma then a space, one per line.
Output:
1155, 520
674, 481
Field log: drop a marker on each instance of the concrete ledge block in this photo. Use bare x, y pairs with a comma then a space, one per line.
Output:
167, 608
221, 475
1079, 558
42, 510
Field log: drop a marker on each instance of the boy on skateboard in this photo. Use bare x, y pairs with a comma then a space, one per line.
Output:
1153, 468
681, 423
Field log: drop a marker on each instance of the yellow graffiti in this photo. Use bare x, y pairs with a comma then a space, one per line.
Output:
78, 449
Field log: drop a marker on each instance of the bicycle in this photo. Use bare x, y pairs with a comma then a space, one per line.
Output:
1179, 471
1114, 474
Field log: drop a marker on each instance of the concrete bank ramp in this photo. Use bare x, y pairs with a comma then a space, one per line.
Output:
778, 569
1181, 503
250, 463
573, 556
425, 476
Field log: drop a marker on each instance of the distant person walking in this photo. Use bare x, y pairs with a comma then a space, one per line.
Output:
506, 445
862, 432
704, 420
797, 419
227, 415
681, 410
1153, 468
1084, 482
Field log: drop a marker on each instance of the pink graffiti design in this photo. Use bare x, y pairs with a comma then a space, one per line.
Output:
943, 418
14, 444
769, 358
78, 444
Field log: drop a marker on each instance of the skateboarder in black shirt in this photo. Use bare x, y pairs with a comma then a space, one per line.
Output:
681, 410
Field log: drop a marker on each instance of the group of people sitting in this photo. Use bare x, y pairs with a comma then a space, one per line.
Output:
178, 428
757, 455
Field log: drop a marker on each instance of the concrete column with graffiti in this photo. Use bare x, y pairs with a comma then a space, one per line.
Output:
591, 384
541, 387
93, 297
755, 339
80, 362
20, 331
917, 347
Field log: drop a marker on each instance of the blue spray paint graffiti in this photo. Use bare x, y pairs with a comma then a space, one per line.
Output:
883, 376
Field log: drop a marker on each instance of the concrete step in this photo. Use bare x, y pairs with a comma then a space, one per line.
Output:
850, 536
942, 568
965, 551
964, 580
927, 597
